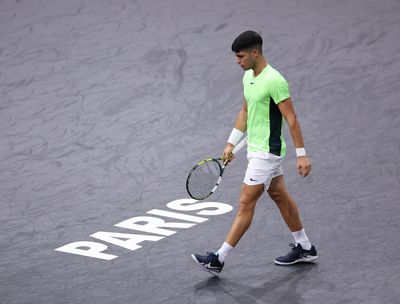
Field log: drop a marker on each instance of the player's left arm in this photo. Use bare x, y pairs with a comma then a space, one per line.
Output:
287, 109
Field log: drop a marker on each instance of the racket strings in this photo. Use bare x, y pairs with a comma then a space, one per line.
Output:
204, 178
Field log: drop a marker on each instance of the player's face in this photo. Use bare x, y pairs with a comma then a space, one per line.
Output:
245, 60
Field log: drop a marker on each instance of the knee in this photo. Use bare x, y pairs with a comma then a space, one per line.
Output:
276, 196
246, 205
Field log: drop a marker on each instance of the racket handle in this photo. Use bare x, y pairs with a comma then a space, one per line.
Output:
240, 145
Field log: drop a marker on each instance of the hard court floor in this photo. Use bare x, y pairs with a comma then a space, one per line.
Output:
106, 105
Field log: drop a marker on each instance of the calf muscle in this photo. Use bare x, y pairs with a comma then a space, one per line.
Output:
244, 215
287, 206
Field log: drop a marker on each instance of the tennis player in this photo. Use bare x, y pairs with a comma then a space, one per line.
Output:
266, 103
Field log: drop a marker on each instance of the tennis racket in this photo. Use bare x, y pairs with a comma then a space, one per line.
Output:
205, 177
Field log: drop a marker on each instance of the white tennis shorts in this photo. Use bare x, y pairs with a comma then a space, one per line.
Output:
263, 170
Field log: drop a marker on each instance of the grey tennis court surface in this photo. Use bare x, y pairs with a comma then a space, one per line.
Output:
106, 105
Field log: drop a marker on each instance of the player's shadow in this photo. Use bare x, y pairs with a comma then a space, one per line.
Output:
281, 290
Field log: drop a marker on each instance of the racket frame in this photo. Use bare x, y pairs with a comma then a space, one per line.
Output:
236, 149
221, 172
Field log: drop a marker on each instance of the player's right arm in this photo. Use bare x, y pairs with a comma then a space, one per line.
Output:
241, 120
240, 124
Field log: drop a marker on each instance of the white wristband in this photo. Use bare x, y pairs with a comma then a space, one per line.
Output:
300, 152
235, 136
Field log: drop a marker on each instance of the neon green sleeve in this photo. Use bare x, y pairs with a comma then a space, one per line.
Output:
279, 89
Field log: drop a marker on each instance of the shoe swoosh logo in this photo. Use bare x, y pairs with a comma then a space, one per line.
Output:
305, 255
253, 180
211, 267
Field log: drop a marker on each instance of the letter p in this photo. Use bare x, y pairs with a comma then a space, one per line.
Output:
90, 249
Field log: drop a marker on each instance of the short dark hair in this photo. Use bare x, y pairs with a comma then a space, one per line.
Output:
246, 41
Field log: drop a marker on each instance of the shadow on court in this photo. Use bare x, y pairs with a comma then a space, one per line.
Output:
283, 289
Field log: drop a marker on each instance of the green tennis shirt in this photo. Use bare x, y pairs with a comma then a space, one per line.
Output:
264, 120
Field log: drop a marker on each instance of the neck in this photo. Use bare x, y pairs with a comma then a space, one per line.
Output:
259, 66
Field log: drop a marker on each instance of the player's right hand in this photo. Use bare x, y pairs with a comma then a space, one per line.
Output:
227, 154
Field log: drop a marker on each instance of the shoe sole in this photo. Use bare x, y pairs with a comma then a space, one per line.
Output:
202, 267
302, 260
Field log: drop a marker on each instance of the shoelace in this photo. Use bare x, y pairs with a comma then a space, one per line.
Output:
293, 246
210, 256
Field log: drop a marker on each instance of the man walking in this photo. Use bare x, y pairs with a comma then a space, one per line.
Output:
266, 103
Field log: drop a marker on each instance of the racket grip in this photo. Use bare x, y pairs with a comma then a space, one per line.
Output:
240, 145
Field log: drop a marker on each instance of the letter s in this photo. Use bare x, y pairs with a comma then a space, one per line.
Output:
191, 205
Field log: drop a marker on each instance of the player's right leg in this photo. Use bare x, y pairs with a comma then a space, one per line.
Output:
244, 216
214, 262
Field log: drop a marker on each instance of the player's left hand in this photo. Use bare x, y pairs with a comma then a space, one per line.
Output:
303, 166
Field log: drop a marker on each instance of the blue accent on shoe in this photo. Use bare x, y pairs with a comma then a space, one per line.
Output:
296, 255
209, 262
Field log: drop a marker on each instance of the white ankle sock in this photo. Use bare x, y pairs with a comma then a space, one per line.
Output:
224, 251
300, 237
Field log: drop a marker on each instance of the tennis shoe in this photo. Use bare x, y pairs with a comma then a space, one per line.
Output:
209, 262
297, 255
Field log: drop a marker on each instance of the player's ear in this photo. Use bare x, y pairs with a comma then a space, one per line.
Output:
255, 53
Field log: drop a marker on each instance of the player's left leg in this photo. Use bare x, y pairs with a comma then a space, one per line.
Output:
302, 250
